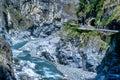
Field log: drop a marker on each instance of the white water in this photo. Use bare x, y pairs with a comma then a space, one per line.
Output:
32, 68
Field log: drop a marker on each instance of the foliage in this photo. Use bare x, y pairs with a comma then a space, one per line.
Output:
97, 9
69, 30
15, 14
73, 31
107, 20
2, 52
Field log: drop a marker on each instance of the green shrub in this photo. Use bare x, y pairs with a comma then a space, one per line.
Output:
96, 8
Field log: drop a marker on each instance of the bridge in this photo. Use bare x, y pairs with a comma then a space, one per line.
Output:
100, 30
91, 28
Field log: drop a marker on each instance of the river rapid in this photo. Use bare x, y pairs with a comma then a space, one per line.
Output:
27, 67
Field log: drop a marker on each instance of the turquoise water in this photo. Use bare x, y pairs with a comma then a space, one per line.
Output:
19, 45
47, 70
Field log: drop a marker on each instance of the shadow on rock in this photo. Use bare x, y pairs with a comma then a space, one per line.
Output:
109, 69
6, 70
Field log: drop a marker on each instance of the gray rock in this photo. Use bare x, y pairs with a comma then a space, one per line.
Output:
48, 56
67, 54
109, 67
6, 70
42, 17
88, 56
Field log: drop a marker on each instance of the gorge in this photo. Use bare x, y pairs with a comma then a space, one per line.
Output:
41, 44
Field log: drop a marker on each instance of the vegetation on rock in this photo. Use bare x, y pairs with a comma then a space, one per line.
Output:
72, 31
69, 30
17, 20
104, 11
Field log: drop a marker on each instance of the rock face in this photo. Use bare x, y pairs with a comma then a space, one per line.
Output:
42, 17
103, 12
67, 52
6, 71
109, 67
86, 51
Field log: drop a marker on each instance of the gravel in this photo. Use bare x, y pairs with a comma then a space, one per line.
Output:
75, 73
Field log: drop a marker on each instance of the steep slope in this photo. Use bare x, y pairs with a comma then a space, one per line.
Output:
105, 12
6, 70
109, 67
41, 17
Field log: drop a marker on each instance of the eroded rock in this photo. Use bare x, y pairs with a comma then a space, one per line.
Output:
6, 70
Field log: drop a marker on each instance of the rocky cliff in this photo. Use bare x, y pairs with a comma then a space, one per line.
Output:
42, 17
109, 67
6, 70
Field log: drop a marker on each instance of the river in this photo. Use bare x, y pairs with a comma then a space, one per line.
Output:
32, 68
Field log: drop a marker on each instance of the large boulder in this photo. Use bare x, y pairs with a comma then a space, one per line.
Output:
85, 51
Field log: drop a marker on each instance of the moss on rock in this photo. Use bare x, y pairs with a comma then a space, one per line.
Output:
102, 38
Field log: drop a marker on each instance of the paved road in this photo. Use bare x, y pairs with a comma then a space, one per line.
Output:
85, 27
